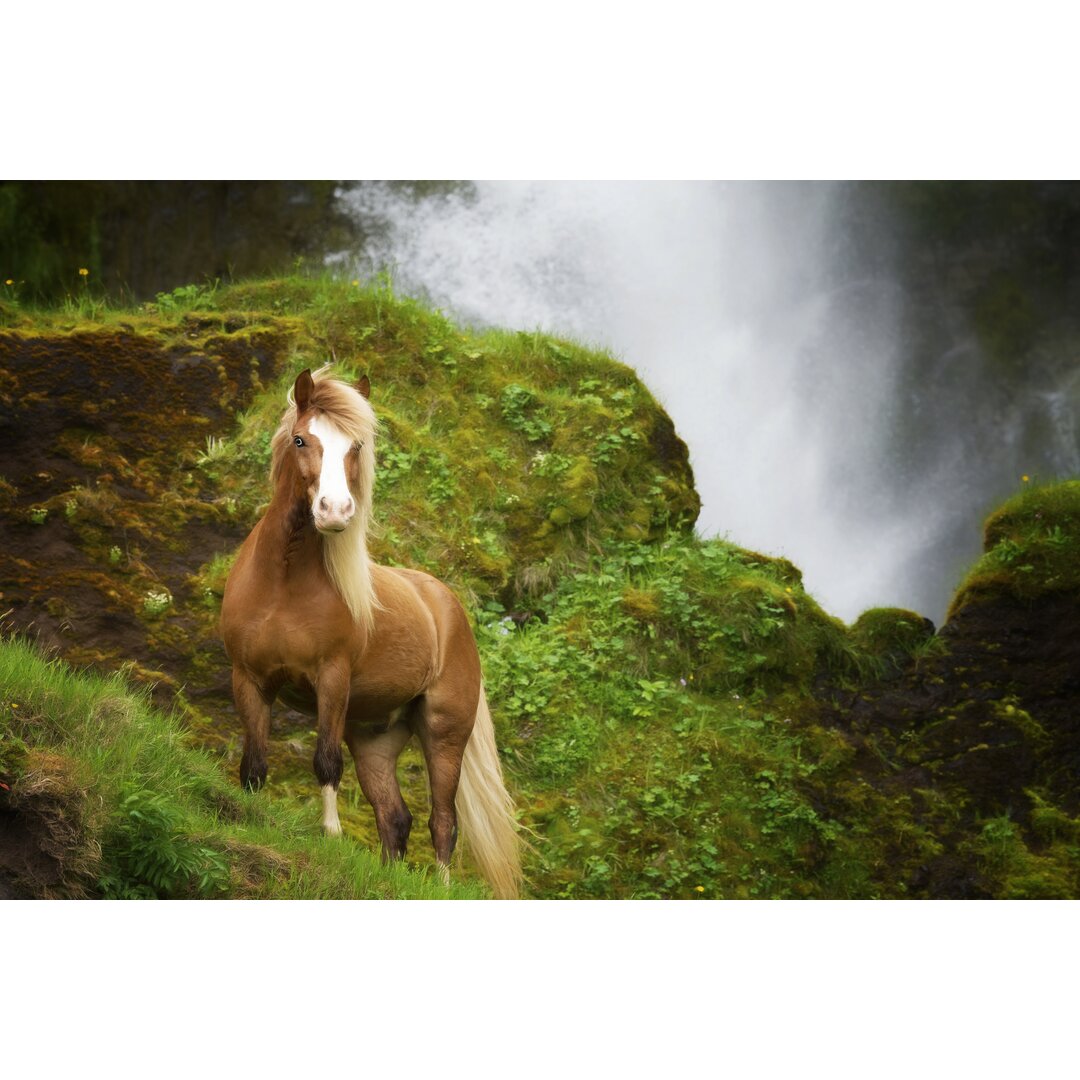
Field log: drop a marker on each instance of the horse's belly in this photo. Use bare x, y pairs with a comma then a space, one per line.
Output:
300, 697
375, 701
369, 704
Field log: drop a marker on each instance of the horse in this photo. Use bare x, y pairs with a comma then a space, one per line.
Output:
378, 654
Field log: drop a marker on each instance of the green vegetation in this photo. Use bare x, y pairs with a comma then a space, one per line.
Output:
677, 716
1032, 547
648, 713
112, 802
138, 237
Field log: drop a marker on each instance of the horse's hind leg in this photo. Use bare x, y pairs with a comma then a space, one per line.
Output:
253, 705
443, 738
376, 769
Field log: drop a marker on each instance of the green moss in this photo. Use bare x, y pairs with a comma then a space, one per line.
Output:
1012, 871
1050, 823
1032, 547
892, 633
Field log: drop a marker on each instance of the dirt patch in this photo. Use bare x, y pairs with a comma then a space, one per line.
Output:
101, 501
44, 851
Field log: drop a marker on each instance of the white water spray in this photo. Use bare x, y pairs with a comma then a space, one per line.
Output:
778, 363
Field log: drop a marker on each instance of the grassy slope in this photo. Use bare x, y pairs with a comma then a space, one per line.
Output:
130, 810
653, 692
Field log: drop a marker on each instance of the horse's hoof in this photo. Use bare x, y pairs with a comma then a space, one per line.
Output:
253, 782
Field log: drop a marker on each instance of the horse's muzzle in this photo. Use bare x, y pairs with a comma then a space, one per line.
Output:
330, 516
331, 524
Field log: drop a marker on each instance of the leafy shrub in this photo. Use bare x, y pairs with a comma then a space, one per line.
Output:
149, 853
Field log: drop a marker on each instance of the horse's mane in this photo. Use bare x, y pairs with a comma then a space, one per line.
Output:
345, 554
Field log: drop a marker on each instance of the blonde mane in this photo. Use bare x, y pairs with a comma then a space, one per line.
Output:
345, 554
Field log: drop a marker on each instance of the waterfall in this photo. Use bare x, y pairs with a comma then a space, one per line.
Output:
777, 347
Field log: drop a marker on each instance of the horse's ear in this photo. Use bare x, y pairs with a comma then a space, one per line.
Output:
364, 386
302, 391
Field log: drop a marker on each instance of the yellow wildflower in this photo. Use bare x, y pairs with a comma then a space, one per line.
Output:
9, 281
699, 888
1025, 478
83, 272
356, 282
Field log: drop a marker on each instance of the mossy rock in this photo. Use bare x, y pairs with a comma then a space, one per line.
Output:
1035, 510
1032, 548
777, 565
1011, 870
576, 493
986, 751
891, 632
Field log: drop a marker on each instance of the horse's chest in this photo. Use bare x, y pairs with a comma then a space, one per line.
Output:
391, 671
296, 645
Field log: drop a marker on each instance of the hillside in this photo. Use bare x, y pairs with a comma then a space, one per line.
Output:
678, 717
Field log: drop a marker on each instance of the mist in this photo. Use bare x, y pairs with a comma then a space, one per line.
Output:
777, 348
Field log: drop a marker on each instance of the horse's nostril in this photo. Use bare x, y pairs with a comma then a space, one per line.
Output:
349, 506
323, 504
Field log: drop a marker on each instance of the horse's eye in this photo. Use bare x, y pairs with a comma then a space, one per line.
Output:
298, 440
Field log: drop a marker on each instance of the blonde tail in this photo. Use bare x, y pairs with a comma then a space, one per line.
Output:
486, 811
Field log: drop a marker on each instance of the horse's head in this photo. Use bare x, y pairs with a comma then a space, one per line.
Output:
327, 457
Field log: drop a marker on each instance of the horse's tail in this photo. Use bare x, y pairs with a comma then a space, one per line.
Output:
486, 811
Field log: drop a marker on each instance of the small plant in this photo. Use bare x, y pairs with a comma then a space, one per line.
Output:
442, 486
394, 464
1007, 552
1057, 537
188, 298
216, 449
521, 409
157, 602
115, 555
38, 515
550, 464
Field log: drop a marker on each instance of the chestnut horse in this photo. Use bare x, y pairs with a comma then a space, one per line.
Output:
378, 654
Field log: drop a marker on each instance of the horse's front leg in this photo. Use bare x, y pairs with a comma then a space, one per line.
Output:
253, 705
332, 689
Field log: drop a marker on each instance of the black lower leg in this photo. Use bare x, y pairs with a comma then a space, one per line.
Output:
328, 763
394, 828
252, 770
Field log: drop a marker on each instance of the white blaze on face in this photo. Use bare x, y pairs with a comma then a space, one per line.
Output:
333, 505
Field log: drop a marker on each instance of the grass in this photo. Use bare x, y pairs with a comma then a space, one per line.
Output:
127, 808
